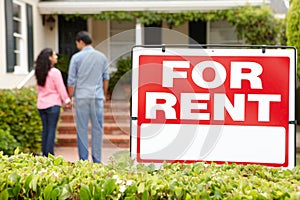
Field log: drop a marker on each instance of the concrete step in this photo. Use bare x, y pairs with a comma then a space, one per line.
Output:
109, 117
67, 140
116, 126
117, 117
108, 128
117, 106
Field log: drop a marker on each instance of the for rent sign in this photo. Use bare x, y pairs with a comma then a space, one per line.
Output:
214, 105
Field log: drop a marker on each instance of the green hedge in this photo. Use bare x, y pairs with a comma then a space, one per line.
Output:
8, 143
123, 66
20, 124
23, 176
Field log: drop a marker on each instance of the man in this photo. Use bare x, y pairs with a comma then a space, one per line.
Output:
88, 82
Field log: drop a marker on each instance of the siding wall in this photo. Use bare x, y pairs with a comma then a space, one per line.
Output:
42, 37
113, 38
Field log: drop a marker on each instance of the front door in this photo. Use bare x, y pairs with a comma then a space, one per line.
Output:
67, 33
67, 47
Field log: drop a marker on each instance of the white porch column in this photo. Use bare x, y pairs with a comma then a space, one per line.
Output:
138, 34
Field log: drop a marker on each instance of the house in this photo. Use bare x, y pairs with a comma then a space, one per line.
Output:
27, 26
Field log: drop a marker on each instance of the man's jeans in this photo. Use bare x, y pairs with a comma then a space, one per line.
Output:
49, 118
89, 109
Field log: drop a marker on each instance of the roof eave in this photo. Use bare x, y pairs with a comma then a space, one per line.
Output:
92, 7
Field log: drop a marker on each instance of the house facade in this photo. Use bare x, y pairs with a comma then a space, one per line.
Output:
28, 26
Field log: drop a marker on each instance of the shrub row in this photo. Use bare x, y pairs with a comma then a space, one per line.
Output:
20, 124
122, 75
23, 176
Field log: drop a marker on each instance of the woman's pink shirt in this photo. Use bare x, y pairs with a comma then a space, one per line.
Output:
54, 92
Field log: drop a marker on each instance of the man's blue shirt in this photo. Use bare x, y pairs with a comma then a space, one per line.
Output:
88, 68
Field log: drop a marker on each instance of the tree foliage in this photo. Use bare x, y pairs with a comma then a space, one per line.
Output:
293, 27
255, 25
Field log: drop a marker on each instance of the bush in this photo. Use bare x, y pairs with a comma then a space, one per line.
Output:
258, 26
23, 176
123, 66
7, 143
19, 116
62, 64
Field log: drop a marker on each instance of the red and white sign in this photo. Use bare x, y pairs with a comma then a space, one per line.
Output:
214, 105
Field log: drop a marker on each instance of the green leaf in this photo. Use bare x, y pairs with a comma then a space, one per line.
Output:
66, 193
130, 198
4, 195
178, 192
47, 192
84, 192
58, 161
28, 181
109, 186
13, 178
188, 197
33, 183
55, 193
52, 157
145, 195
16, 151
141, 188
97, 192
16, 189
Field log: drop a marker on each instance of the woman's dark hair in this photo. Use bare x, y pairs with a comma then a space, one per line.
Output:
43, 65
84, 36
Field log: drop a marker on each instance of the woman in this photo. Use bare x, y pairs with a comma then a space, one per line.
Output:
51, 94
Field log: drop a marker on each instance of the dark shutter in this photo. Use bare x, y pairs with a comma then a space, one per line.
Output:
10, 56
29, 36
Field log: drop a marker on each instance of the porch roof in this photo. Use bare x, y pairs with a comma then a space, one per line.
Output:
93, 6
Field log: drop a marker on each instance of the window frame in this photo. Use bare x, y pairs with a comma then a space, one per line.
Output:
21, 54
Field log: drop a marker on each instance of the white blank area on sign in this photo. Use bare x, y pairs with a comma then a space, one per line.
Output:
258, 144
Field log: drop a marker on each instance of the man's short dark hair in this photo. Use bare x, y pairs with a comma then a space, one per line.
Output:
84, 36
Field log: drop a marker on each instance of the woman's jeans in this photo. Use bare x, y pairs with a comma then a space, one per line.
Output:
49, 118
89, 109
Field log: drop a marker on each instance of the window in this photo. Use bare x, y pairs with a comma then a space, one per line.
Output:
19, 25
221, 32
122, 38
19, 36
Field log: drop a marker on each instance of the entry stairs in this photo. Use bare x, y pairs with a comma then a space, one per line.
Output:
116, 126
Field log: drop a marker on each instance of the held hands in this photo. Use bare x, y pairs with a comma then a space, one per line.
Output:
68, 105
